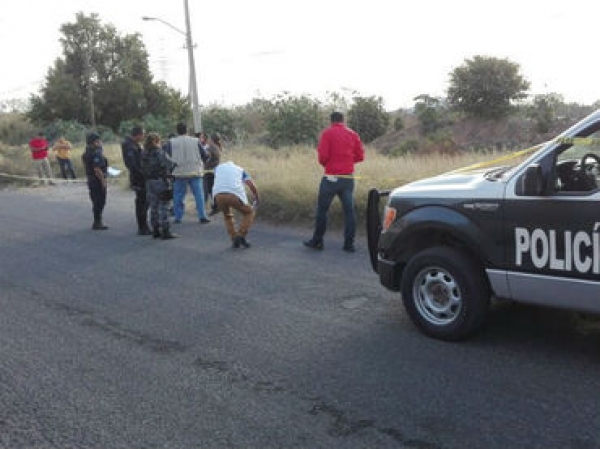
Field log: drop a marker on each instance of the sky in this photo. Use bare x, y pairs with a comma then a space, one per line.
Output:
395, 49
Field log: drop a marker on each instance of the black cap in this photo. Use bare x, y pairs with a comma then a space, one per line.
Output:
92, 137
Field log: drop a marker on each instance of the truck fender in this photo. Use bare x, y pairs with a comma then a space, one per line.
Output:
424, 226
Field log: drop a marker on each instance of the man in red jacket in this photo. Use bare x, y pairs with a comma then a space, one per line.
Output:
339, 149
39, 153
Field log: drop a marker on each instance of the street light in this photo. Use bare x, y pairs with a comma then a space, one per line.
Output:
190, 48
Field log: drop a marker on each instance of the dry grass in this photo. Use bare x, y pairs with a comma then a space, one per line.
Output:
288, 179
15, 161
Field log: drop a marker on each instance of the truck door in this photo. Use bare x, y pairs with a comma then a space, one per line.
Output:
553, 239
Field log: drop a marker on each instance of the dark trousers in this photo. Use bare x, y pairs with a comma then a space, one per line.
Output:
328, 190
66, 167
98, 197
159, 212
209, 182
141, 207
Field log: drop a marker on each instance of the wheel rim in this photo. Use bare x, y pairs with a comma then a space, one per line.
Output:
437, 296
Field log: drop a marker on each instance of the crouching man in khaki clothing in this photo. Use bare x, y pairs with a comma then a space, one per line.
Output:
229, 192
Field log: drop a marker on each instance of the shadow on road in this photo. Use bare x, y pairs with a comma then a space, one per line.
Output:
566, 334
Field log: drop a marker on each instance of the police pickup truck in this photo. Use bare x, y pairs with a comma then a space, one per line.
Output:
528, 233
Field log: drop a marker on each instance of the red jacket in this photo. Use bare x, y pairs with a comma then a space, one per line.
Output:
339, 149
39, 148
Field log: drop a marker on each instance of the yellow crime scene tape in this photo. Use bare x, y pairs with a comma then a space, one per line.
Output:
581, 141
360, 177
504, 158
36, 178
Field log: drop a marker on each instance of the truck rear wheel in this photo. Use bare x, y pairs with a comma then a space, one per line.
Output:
445, 293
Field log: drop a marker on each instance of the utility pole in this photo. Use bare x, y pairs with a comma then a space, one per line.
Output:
90, 90
193, 83
189, 44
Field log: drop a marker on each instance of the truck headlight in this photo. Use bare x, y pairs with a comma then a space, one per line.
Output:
389, 215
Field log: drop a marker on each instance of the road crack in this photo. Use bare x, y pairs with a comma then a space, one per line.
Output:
109, 327
344, 427
341, 427
115, 330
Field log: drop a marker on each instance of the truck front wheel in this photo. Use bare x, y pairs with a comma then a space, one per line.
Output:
445, 293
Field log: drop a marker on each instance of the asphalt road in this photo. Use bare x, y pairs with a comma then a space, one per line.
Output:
111, 340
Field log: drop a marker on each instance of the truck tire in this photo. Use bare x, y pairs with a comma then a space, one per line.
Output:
445, 293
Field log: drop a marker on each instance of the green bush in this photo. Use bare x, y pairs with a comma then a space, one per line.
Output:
543, 111
398, 123
15, 129
407, 147
368, 118
158, 124
220, 120
428, 110
294, 120
69, 129
107, 134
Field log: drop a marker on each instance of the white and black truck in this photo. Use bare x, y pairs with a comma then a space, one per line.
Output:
529, 233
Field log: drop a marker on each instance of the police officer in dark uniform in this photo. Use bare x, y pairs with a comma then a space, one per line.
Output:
96, 169
157, 168
131, 150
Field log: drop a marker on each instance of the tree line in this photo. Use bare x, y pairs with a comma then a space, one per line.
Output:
103, 80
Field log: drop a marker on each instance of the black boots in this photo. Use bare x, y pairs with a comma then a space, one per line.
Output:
99, 226
314, 244
167, 235
240, 242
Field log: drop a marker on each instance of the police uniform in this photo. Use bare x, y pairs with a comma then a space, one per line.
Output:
157, 168
92, 159
131, 152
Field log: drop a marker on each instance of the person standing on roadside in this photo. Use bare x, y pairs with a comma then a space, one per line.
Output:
39, 153
187, 154
338, 150
230, 195
213, 151
203, 139
96, 170
157, 171
131, 150
62, 150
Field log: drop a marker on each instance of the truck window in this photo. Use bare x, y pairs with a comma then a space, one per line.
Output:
578, 166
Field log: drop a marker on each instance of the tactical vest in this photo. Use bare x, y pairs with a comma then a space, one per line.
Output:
153, 164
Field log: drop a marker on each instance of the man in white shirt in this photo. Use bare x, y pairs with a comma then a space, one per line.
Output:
229, 192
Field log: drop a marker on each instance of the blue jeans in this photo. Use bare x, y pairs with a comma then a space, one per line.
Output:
66, 167
179, 191
328, 190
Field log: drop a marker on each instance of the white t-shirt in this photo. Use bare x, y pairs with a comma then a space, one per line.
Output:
229, 178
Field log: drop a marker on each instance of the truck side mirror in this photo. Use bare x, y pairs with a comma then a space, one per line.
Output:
532, 181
